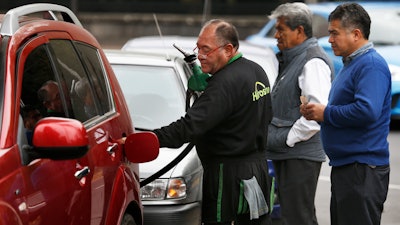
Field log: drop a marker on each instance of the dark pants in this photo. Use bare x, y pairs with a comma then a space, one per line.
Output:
297, 184
358, 194
223, 193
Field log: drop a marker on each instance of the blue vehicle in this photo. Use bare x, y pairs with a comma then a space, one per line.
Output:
385, 35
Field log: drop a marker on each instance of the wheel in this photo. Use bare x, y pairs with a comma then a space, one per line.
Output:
128, 220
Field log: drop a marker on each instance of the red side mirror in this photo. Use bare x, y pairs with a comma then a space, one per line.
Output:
58, 139
142, 147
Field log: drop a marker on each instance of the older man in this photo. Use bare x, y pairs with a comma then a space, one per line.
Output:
228, 124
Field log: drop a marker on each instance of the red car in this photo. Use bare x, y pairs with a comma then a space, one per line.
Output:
68, 150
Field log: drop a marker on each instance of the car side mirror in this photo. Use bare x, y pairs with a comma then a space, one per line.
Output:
57, 138
142, 147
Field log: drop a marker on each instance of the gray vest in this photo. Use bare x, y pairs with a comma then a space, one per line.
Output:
286, 104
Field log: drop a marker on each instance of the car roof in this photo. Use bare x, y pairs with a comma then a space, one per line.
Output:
143, 58
154, 59
17, 17
187, 43
262, 55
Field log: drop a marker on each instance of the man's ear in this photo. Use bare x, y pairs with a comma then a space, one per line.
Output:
230, 49
300, 29
358, 34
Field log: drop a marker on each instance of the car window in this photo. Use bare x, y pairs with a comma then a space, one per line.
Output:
84, 75
92, 60
37, 70
73, 76
81, 97
153, 94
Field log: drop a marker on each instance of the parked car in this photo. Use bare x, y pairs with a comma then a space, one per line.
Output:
264, 56
385, 34
155, 86
80, 168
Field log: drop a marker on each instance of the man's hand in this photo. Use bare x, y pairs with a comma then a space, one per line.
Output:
313, 111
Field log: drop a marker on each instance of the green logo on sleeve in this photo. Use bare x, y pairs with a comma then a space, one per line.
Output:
257, 94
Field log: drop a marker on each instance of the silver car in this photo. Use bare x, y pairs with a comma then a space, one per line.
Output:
264, 56
154, 86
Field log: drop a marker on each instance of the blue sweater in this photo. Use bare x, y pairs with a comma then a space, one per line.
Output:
357, 117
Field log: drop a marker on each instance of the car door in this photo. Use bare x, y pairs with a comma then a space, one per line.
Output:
105, 129
82, 69
86, 183
55, 190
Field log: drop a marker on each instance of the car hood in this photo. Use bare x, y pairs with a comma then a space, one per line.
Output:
189, 164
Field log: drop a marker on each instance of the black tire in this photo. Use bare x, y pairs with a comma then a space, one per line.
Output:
128, 220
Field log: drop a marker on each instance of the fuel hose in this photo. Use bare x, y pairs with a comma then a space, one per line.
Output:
193, 85
169, 166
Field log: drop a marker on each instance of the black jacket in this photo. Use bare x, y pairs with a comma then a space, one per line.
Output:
230, 118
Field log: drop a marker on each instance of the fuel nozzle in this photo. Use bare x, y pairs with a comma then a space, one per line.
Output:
197, 82
189, 58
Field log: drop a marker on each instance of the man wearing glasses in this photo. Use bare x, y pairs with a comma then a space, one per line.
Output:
228, 125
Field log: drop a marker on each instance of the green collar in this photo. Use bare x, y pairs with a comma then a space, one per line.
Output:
235, 57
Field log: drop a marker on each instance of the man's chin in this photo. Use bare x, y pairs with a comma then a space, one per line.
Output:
205, 68
335, 51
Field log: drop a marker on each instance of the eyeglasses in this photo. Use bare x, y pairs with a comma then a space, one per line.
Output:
206, 53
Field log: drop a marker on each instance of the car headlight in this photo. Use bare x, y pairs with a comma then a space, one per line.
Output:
161, 189
395, 72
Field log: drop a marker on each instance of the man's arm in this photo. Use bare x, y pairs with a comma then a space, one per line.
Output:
315, 83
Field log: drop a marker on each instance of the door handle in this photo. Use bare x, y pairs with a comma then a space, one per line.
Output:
82, 173
111, 149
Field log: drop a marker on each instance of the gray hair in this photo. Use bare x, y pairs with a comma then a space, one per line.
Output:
295, 14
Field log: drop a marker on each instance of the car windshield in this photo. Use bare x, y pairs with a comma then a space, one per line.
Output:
154, 94
384, 26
